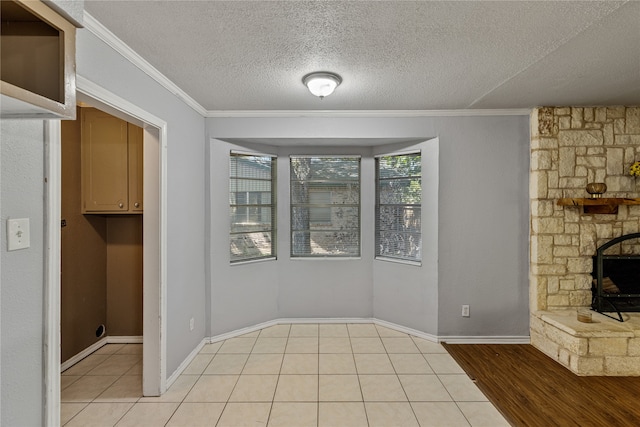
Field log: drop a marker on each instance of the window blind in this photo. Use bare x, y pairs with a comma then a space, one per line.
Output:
252, 204
325, 206
399, 207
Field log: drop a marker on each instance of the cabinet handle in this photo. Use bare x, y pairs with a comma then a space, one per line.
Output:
136, 204
120, 205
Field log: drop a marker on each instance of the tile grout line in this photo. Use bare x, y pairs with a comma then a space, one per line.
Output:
86, 374
353, 355
191, 388
275, 390
436, 374
415, 417
237, 380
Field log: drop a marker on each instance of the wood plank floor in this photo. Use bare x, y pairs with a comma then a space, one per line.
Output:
530, 389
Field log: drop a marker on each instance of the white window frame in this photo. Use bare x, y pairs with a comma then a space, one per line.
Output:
248, 206
417, 259
357, 231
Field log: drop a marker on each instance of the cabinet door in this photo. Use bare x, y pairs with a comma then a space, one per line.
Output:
136, 161
104, 162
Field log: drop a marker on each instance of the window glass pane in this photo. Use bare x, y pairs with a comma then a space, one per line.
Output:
250, 219
325, 206
245, 166
400, 166
399, 218
327, 243
246, 246
395, 244
248, 185
340, 218
325, 168
398, 207
400, 190
320, 213
339, 192
252, 207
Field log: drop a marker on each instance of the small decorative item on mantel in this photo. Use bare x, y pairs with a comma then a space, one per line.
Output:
634, 169
596, 189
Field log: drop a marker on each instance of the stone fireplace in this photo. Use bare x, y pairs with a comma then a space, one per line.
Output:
571, 147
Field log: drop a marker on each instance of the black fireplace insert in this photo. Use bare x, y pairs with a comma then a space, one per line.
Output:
616, 280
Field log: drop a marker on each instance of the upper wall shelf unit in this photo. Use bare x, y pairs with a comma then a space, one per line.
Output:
38, 73
602, 205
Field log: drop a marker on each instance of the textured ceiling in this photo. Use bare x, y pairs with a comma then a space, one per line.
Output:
392, 55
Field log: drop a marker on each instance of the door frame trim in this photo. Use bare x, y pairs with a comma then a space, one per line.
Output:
154, 244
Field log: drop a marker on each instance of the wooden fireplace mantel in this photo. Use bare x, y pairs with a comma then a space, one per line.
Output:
603, 205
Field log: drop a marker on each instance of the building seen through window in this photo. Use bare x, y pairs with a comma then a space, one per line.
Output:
325, 206
252, 203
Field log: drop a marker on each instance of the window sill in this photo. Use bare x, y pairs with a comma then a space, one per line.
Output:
253, 261
399, 261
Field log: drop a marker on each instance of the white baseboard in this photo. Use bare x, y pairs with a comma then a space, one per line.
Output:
125, 340
242, 331
390, 325
414, 332
485, 340
253, 328
84, 353
94, 347
186, 362
325, 320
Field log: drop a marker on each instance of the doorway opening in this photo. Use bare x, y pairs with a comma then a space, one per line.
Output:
154, 140
102, 213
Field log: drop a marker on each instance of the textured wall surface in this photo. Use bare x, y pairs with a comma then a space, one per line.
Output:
21, 274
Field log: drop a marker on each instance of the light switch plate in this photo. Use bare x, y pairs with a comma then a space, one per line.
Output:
18, 236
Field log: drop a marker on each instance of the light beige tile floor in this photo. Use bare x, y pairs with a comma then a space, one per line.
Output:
327, 375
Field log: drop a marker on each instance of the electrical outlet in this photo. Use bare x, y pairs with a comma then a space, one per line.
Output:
465, 310
192, 324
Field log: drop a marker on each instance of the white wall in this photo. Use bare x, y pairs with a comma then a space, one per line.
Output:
22, 196
484, 226
240, 295
482, 229
407, 294
21, 274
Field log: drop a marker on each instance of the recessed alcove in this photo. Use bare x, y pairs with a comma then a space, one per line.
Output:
356, 287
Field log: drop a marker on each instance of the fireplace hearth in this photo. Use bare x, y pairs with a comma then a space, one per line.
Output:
616, 280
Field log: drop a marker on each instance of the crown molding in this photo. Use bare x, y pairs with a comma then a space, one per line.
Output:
364, 113
103, 33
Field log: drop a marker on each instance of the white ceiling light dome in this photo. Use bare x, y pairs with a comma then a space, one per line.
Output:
322, 83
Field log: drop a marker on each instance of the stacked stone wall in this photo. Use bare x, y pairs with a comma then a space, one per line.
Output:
610, 349
571, 147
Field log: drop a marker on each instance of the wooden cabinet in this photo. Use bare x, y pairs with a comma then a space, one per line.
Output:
37, 48
112, 164
136, 163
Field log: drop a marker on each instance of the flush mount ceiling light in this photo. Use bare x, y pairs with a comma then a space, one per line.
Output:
321, 84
